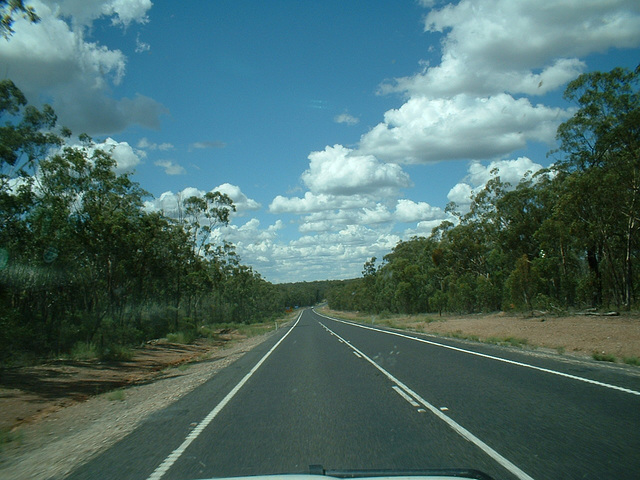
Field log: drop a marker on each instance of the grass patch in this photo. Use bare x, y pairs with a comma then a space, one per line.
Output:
255, 329
515, 342
388, 322
246, 330
89, 351
8, 436
604, 357
84, 351
116, 353
632, 361
463, 336
560, 350
501, 341
182, 337
116, 395
430, 319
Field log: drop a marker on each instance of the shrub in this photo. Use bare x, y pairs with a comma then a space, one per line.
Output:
183, 337
116, 353
603, 357
632, 361
84, 351
116, 395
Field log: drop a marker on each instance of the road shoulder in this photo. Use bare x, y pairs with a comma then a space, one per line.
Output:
68, 437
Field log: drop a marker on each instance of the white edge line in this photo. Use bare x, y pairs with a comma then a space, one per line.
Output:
513, 362
459, 429
404, 395
173, 457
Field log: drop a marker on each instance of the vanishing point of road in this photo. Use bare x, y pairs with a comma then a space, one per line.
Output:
350, 396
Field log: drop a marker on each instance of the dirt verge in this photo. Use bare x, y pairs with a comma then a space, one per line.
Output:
616, 336
55, 417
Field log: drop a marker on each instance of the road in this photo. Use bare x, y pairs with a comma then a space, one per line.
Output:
345, 396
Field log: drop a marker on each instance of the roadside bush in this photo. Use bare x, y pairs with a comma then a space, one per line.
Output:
183, 337
84, 351
115, 353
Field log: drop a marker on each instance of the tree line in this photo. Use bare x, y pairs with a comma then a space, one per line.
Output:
563, 238
82, 260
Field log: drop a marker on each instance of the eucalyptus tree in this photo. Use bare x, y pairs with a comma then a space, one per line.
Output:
601, 170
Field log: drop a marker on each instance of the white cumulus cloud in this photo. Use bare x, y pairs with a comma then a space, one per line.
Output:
170, 168
122, 12
493, 46
509, 171
170, 203
317, 203
79, 72
409, 211
346, 118
425, 130
338, 170
338, 254
124, 155
470, 104
240, 200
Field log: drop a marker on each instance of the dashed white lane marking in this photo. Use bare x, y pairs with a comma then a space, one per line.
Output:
484, 355
400, 392
357, 354
459, 429
173, 457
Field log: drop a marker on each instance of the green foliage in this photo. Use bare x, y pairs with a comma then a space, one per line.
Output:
86, 271
116, 395
115, 353
183, 337
508, 341
632, 361
84, 351
9, 436
604, 357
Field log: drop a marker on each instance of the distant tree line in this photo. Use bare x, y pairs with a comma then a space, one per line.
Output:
564, 237
81, 260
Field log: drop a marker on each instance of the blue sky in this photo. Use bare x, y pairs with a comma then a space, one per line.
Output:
338, 128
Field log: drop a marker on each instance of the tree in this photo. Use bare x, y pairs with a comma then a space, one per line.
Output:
25, 137
203, 215
602, 163
81, 260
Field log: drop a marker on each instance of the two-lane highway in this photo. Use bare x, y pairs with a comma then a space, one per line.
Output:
328, 392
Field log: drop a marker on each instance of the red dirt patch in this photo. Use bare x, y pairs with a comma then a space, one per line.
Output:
28, 394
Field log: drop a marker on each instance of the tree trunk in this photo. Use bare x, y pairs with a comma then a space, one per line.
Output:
628, 267
594, 267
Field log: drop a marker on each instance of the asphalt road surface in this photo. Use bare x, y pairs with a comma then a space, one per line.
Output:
360, 397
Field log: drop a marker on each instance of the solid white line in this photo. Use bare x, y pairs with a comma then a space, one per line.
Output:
459, 429
171, 459
402, 393
470, 352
